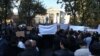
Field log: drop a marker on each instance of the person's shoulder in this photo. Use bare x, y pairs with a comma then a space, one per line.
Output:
24, 53
84, 51
57, 51
81, 50
64, 52
20, 54
61, 50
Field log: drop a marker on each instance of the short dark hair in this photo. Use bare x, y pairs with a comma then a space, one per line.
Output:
95, 48
83, 43
65, 42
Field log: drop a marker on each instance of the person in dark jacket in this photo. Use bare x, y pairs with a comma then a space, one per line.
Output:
3, 45
12, 49
95, 49
64, 51
30, 49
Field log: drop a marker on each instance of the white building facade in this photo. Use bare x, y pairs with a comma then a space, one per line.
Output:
53, 15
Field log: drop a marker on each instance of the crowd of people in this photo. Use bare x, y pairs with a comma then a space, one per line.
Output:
63, 43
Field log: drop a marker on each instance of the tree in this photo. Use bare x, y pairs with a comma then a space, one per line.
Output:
4, 11
88, 11
28, 9
70, 8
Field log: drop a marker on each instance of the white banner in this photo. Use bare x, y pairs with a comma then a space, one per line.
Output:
77, 28
47, 29
64, 26
92, 30
98, 30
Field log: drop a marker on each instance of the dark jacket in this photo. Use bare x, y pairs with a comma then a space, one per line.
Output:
29, 52
13, 51
63, 52
3, 46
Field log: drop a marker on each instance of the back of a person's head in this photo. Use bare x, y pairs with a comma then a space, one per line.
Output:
60, 31
95, 49
30, 43
34, 31
83, 43
88, 34
65, 42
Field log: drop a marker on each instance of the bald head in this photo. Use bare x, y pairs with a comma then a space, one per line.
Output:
30, 43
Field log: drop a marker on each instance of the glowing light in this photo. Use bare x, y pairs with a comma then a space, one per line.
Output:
15, 11
8, 21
